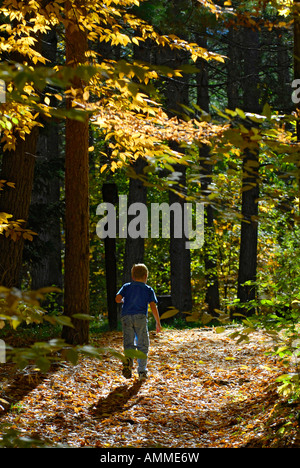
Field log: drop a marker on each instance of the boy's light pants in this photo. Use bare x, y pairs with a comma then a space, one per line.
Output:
135, 336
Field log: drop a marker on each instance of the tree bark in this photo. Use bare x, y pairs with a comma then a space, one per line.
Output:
44, 217
180, 256
135, 248
76, 280
212, 296
110, 195
17, 167
250, 182
297, 73
234, 71
46, 270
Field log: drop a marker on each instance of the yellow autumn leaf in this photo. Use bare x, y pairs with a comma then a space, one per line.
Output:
169, 313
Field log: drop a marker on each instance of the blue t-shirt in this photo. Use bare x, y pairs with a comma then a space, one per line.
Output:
137, 295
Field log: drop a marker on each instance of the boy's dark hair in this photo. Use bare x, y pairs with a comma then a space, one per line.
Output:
139, 271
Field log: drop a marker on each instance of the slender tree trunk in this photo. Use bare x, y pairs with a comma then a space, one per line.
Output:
234, 79
212, 296
284, 102
76, 293
297, 71
250, 183
176, 93
180, 257
135, 248
47, 269
110, 195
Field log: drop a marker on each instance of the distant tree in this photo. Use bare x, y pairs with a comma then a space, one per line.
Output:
44, 255
296, 63
250, 183
212, 295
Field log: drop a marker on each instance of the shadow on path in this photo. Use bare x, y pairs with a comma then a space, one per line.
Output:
116, 401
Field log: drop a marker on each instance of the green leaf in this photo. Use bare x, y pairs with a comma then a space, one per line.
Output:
230, 112
48, 289
206, 318
267, 111
43, 364
255, 117
91, 351
283, 377
134, 354
72, 356
82, 317
64, 320
189, 68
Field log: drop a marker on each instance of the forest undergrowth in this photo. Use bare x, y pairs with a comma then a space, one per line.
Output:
203, 391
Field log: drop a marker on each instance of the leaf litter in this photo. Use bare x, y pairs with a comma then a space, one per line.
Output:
203, 390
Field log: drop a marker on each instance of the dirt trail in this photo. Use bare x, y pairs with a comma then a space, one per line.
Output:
203, 390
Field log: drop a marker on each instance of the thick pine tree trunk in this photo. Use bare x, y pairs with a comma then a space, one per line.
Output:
17, 167
76, 280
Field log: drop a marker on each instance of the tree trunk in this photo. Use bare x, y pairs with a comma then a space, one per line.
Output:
134, 248
176, 93
297, 73
46, 270
234, 78
212, 296
110, 195
76, 290
250, 182
17, 167
180, 257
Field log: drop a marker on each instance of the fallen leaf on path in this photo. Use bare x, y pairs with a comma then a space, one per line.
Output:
202, 391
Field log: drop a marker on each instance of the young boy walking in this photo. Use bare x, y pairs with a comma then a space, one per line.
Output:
136, 296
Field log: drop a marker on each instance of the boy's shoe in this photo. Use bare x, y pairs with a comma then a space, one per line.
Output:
127, 368
143, 375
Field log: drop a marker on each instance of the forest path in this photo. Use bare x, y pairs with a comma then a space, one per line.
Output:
203, 390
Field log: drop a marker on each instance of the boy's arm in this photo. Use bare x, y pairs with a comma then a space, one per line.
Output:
155, 313
119, 298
